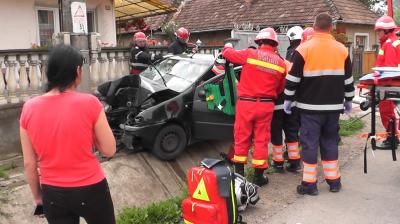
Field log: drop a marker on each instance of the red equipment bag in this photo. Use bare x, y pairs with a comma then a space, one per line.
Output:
211, 195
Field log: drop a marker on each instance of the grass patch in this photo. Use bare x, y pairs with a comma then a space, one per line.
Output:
3, 174
5, 168
164, 212
249, 173
350, 127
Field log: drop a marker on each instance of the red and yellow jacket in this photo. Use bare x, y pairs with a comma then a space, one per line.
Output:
389, 54
263, 72
321, 76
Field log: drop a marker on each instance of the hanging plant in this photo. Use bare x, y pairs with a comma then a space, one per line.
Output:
169, 29
341, 37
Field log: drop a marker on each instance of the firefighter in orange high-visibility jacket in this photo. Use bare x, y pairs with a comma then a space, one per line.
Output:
389, 56
322, 84
261, 80
288, 123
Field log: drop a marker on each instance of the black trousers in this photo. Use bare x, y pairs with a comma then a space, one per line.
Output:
289, 123
64, 205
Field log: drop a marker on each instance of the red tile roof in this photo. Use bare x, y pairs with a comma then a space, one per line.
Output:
205, 15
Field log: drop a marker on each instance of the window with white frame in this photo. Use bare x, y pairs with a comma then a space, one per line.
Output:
48, 23
361, 39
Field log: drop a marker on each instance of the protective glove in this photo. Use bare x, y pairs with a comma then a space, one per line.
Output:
287, 106
228, 45
348, 106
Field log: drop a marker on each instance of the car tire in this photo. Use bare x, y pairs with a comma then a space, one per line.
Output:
170, 141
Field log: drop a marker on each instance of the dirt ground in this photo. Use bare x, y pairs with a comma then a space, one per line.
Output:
15, 198
281, 191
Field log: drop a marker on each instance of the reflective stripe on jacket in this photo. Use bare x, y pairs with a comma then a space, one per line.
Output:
321, 76
263, 73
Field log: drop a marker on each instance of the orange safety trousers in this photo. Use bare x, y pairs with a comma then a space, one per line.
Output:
253, 119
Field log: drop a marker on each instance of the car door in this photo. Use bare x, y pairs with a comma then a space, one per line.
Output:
210, 124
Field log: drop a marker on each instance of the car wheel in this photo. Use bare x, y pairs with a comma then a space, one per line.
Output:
170, 142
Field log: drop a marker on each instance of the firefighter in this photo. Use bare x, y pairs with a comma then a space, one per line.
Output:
262, 78
180, 45
322, 84
289, 123
140, 57
389, 56
307, 34
294, 35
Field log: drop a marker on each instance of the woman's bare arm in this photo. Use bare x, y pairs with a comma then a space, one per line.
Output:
104, 138
30, 164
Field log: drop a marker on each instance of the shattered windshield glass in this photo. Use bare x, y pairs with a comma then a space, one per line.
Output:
178, 74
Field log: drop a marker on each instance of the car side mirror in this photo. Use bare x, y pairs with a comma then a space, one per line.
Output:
202, 94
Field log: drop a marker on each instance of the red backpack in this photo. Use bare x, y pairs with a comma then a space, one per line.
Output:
212, 197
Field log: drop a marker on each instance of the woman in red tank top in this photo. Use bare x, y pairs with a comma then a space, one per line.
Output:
59, 130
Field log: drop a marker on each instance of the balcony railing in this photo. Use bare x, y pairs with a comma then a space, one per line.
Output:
23, 72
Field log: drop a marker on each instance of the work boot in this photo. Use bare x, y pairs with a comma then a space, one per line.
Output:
293, 166
307, 188
278, 166
335, 188
239, 169
259, 178
334, 185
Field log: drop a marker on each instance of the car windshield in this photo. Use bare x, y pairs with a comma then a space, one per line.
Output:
178, 74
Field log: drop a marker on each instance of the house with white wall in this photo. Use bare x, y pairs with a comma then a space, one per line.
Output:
27, 24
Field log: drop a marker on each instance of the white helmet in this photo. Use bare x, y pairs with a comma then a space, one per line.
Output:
294, 33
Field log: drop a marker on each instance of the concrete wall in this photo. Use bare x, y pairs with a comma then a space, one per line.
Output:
19, 23
9, 131
105, 21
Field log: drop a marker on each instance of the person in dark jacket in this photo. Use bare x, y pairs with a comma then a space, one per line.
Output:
321, 82
141, 58
294, 35
180, 45
288, 123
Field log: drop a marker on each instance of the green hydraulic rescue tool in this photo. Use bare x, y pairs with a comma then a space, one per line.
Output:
221, 96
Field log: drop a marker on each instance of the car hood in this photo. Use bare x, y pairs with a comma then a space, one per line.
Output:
154, 90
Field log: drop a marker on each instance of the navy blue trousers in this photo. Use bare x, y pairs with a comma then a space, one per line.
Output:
319, 131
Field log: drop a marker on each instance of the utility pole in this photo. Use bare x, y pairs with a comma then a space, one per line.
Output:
78, 38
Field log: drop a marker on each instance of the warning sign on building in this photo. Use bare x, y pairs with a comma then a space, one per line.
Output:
79, 17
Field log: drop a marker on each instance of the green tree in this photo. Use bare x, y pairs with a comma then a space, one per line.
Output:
371, 3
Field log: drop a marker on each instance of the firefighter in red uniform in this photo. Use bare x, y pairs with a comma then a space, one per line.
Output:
262, 77
307, 34
389, 56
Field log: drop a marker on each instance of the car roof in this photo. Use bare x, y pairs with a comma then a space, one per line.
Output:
202, 58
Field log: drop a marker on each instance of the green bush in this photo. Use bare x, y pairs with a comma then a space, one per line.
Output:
164, 212
350, 127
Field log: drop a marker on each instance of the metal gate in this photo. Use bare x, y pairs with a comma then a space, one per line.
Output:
246, 39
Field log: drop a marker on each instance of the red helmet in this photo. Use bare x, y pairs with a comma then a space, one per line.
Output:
385, 23
307, 34
182, 33
139, 36
267, 34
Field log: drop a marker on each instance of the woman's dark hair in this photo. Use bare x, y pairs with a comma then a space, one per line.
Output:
62, 67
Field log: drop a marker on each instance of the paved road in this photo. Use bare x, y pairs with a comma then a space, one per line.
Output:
365, 198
